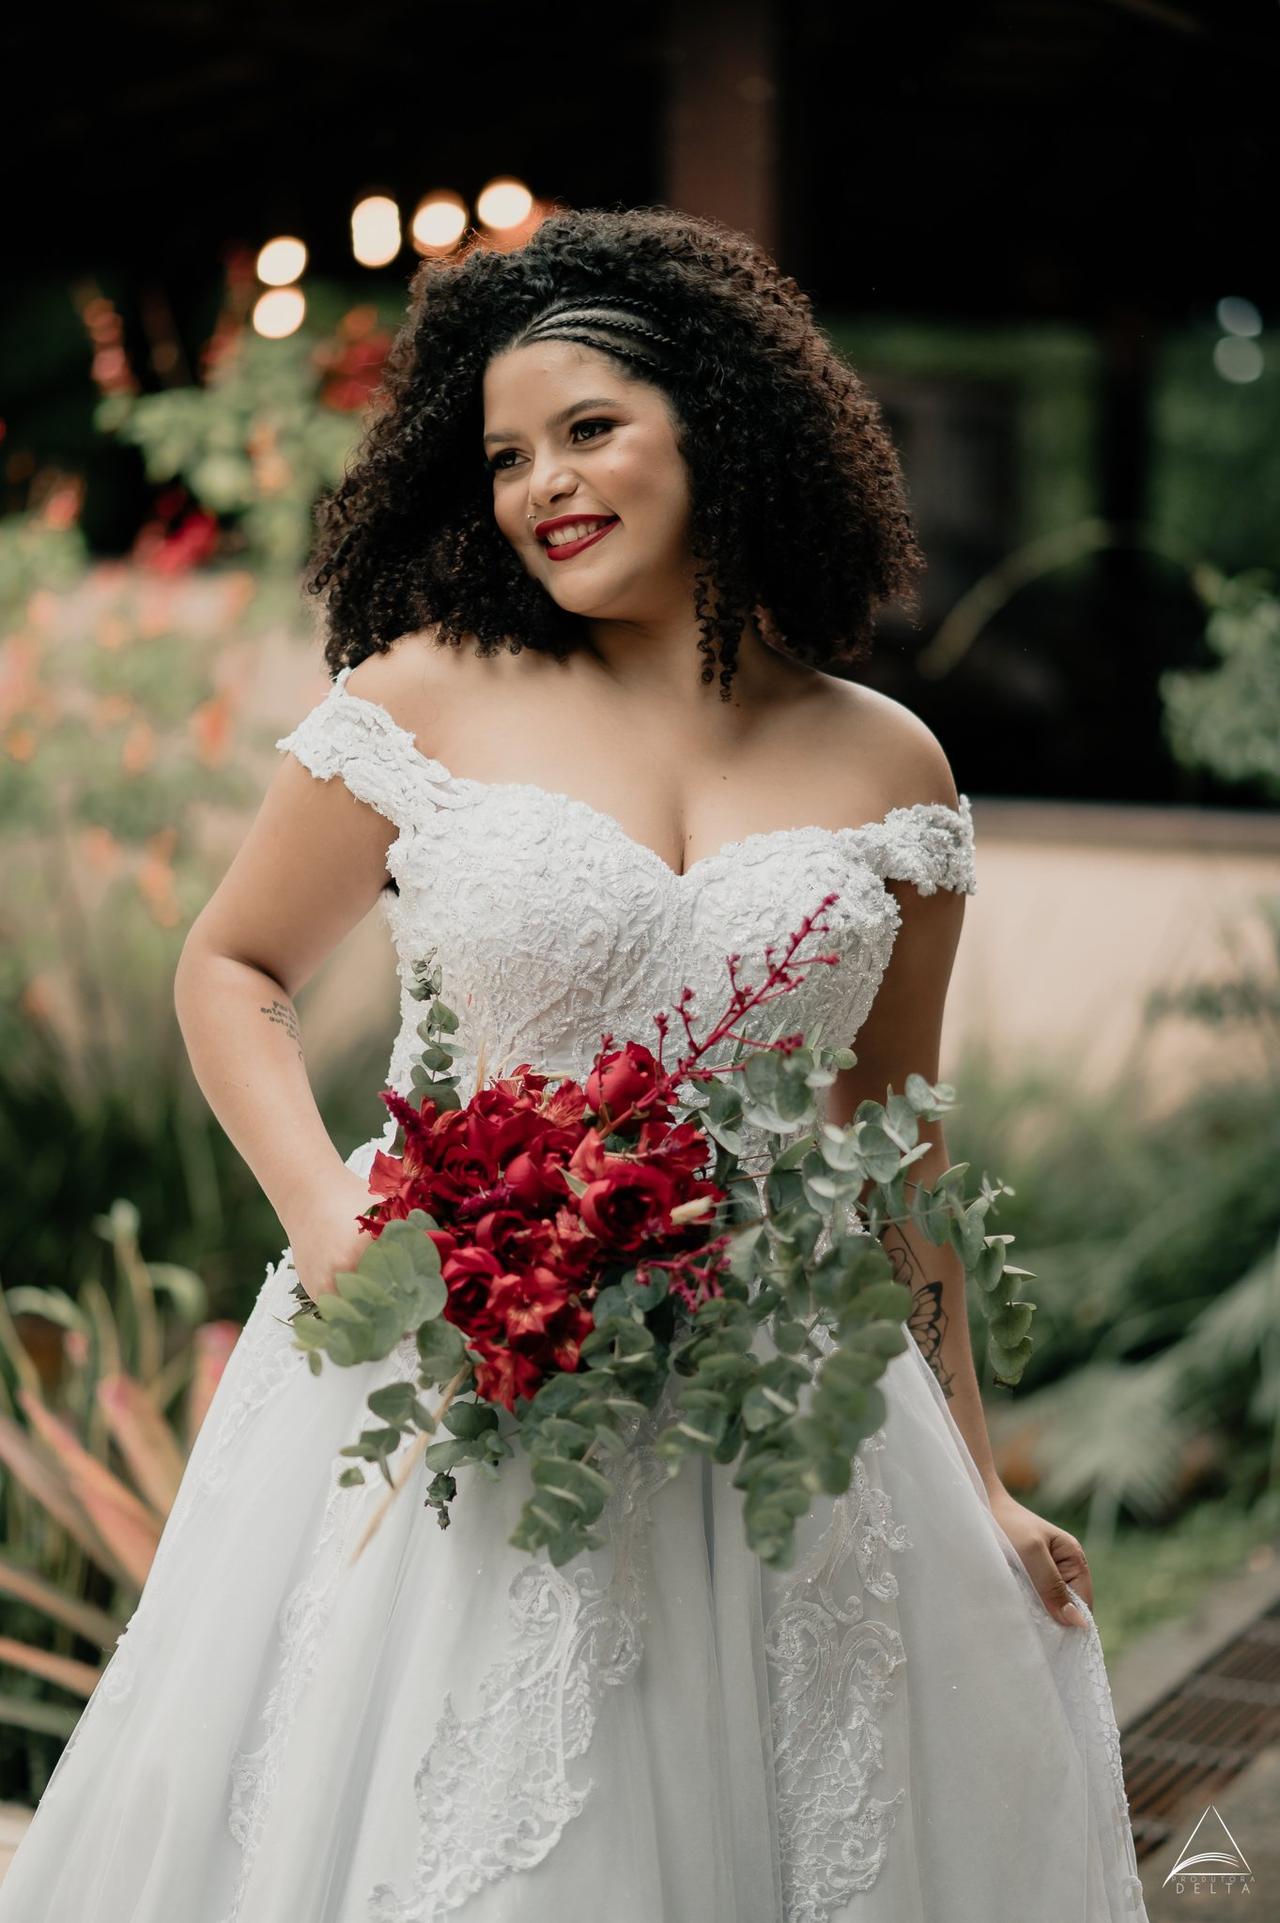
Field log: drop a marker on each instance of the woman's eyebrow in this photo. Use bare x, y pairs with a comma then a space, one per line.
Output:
557, 420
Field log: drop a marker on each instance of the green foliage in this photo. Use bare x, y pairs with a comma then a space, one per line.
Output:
1214, 446
72, 1567
1214, 467
1227, 718
397, 1286
122, 736
1050, 374
36, 554
255, 442
1146, 1577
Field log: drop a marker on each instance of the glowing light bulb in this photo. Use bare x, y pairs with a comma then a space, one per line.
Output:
504, 203
439, 222
375, 230
281, 260
279, 312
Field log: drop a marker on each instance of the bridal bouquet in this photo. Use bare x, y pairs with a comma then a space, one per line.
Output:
559, 1250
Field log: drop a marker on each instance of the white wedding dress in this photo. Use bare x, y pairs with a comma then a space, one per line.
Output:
894, 1730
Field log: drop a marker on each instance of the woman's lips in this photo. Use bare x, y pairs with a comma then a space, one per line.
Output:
570, 548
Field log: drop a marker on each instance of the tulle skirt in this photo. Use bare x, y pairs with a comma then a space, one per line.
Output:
893, 1730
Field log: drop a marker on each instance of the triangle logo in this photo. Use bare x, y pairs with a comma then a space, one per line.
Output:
1210, 1851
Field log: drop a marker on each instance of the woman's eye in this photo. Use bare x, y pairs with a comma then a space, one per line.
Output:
497, 463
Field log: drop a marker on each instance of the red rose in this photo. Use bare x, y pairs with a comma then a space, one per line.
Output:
504, 1234
465, 1159
469, 1276
630, 1204
536, 1176
591, 1158
624, 1077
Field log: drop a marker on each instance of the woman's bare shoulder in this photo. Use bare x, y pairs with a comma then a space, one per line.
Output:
421, 681
888, 748
415, 667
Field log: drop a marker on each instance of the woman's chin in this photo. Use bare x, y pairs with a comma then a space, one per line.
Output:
581, 597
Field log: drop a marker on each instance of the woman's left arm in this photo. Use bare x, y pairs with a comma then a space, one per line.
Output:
901, 1036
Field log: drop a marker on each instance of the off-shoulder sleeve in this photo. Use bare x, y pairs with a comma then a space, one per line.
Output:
928, 843
357, 740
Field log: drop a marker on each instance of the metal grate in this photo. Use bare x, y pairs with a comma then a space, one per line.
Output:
1204, 1731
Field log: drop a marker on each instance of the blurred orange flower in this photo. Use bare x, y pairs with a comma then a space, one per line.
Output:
101, 849
20, 744
139, 748
211, 725
37, 999
112, 631
156, 878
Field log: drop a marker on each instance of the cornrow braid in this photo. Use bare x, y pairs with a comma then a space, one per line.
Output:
638, 302
590, 322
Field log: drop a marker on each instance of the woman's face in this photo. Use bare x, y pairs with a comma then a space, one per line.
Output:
567, 434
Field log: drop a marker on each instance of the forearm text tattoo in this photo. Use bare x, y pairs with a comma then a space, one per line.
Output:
284, 1016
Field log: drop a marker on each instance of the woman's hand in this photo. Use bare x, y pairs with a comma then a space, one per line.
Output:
1052, 1557
325, 1237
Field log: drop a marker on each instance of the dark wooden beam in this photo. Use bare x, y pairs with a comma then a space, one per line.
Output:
719, 139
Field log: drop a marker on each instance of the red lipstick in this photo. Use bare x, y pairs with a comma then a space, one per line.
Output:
570, 548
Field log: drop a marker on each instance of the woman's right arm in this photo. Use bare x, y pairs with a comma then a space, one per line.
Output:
310, 868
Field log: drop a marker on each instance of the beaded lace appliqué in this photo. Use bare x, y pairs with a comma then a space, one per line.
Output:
834, 1669
494, 1791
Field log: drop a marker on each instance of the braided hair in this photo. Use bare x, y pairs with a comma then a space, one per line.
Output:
799, 514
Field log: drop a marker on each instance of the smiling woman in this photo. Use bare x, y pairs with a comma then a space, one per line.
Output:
700, 385
911, 1723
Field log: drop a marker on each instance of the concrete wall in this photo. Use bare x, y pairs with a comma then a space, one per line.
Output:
1083, 908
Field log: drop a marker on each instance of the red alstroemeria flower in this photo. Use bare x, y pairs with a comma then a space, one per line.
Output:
527, 1302
505, 1374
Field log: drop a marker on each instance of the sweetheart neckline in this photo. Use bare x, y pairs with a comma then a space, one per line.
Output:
438, 771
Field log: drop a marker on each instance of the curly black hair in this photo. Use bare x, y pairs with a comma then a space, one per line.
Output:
798, 508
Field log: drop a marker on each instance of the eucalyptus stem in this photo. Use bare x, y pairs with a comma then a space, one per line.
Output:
421, 1443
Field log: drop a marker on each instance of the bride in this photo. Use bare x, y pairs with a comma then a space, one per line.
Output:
620, 519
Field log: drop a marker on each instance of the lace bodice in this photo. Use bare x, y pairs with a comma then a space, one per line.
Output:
551, 924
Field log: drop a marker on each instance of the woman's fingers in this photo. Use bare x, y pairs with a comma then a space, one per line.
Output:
1060, 1561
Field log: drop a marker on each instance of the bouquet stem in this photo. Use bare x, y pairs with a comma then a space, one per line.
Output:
421, 1443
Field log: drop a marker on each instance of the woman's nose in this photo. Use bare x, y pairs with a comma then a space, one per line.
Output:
551, 482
